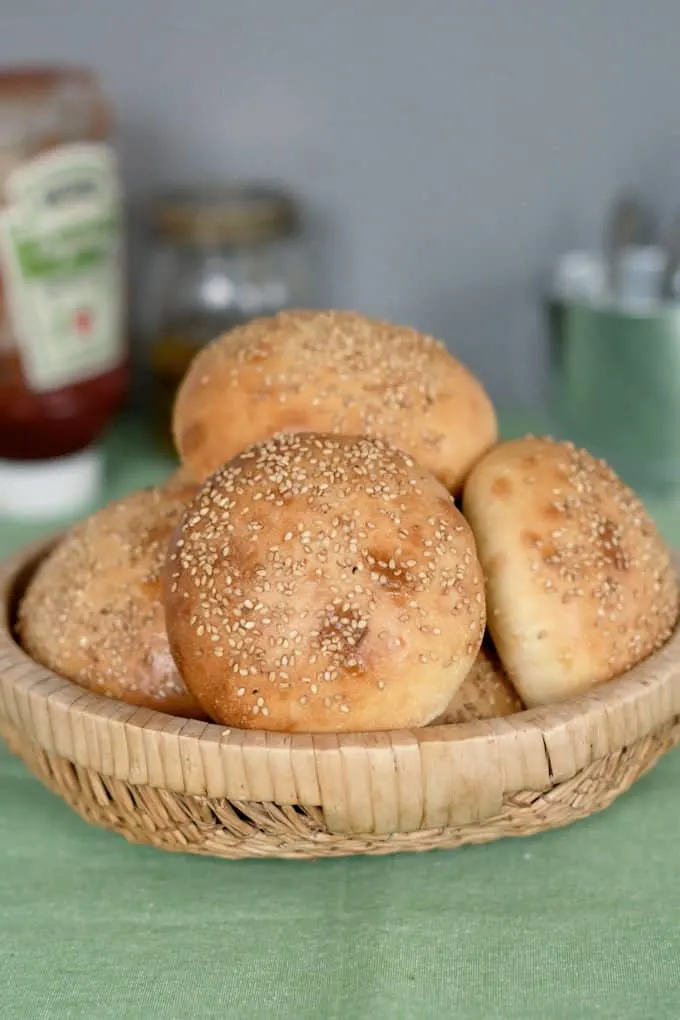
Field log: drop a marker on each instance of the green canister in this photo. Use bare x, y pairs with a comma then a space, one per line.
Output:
615, 380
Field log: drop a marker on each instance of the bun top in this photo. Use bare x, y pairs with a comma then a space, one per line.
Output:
323, 583
580, 585
93, 610
334, 372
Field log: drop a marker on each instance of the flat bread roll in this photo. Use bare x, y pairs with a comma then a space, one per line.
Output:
93, 612
579, 583
339, 372
322, 584
486, 692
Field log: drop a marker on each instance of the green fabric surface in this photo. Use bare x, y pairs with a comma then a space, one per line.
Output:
579, 922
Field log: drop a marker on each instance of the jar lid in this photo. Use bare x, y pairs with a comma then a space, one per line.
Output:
237, 214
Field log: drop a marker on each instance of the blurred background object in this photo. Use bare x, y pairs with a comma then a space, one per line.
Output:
614, 320
230, 255
443, 157
62, 350
446, 153
616, 387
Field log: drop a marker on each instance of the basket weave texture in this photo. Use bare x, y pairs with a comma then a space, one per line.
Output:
198, 788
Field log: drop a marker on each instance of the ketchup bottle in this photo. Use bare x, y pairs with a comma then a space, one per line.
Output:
63, 357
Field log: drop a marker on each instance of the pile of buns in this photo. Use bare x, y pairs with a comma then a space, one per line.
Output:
347, 546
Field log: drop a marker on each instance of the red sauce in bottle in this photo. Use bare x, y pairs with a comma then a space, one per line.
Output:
42, 426
63, 362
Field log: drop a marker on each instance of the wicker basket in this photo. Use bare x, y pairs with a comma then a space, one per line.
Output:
199, 788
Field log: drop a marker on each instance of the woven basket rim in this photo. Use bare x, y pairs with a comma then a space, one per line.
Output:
127, 766
637, 682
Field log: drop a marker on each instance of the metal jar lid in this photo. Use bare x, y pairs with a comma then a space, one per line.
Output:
237, 214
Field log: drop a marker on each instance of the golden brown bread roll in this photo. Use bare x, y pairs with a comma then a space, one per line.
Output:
579, 583
334, 372
486, 692
93, 610
323, 583
180, 480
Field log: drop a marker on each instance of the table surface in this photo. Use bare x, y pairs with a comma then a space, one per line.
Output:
575, 923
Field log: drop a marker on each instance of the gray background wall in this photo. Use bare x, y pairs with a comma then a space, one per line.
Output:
446, 149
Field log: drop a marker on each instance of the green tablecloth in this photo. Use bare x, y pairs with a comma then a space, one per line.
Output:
581, 922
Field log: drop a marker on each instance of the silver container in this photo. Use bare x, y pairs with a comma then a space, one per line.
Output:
616, 387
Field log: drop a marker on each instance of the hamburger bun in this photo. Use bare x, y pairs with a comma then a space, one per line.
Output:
323, 583
579, 583
486, 692
180, 480
338, 372
93, 612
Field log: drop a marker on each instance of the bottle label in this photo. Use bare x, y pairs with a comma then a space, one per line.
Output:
61, 252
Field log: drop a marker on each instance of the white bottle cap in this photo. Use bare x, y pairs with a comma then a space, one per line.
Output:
40, 489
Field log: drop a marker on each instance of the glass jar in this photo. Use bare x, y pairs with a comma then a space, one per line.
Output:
226, 257
63, 357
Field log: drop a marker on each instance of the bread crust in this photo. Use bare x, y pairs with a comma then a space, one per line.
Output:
330, 371
486, 692
324, 583
93, 611
580, 585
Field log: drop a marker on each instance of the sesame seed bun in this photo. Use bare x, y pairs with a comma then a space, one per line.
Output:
180, 480
323, 583
93, 610
486, 692
579, 583
336, 372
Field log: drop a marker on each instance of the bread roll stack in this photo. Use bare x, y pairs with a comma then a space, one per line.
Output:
307, 570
